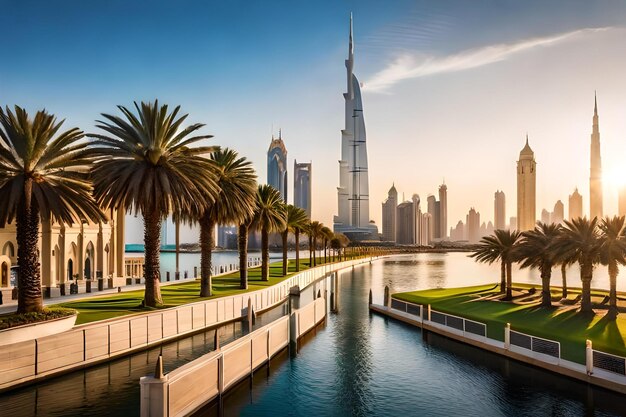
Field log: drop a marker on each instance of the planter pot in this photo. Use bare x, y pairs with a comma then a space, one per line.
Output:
36, 330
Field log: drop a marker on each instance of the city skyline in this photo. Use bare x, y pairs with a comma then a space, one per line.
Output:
535, 58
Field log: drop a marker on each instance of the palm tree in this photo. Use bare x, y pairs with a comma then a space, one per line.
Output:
147, 165
579, 241
534, 251
269, 216
296, 219
500, 247
235, 203
327, 235
612, 252
44, 176
315, 231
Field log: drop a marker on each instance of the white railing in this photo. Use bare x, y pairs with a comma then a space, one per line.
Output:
466, 326
607, 362
532, 343
406, 307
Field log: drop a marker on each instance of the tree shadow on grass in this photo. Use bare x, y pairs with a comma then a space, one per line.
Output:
608, 331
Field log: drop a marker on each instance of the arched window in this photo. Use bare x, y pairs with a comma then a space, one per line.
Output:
8, 250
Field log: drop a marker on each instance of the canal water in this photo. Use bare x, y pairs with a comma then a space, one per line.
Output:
356, 364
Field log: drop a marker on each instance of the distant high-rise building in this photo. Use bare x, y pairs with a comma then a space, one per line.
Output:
473, 226
353, 192
427, 229
227, 237
575, 205
621, 202
302, 173
595, 177
417, 223
513, 223
457, 233
558, 213
405, 223
389, 215
277, 165
526, 188
443, 211
545, 216
499, 207
490, 228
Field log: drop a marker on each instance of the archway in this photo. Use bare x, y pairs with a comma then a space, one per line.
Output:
70, 270
8, 250
4, 282
89, 261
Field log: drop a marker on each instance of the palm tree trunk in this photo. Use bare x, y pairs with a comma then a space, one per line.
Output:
586, 274
564, 279
314, 250
509, 281
242, 240
207, 241
29, 278
503, 277
310, 251
325, 243
297, 236
613, 271
265, 255
285, 235
546, 297
152, 246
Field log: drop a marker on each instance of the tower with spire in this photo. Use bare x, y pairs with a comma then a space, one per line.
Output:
277, 165
353, 217
526, 189
595, 174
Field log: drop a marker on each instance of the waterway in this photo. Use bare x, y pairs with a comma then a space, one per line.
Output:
356, 364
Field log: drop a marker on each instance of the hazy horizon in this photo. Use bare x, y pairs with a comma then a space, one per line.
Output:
450, 89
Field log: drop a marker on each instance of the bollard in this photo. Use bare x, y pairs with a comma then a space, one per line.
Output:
216, 340
589, 357
428, 312
507, 336
186, 274
195, 272
167, 276
249, 314
370, 299
119, 289
386, 297
158, 370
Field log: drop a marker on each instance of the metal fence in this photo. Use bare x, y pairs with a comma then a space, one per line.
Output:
413, 309
459, 323
608, 362
536, 344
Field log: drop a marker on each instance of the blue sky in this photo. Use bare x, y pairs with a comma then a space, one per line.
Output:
450, 87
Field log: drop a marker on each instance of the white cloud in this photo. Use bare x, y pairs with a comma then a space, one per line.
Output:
412, 65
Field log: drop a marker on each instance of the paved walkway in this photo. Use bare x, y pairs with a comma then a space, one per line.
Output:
10, 306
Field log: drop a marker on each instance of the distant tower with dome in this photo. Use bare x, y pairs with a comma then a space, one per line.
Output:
526, 189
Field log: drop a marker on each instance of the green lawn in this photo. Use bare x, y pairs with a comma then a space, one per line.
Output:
567, 326
106, 307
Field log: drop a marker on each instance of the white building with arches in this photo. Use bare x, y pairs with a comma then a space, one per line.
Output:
78, 254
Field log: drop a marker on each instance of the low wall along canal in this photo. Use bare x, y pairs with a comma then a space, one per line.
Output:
101, 341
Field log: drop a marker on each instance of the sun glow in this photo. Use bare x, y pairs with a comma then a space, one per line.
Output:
615, 178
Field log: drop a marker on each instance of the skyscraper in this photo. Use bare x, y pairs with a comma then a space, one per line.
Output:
427, 229
545, 216
443, 211
558, 214
277, 165
526, 183
417, 227
473, 226
353, 191
405, 223
302, 186
575, 205
389, 215
499, 209
595, 175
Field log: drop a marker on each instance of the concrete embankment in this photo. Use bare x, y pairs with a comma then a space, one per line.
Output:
535, 351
